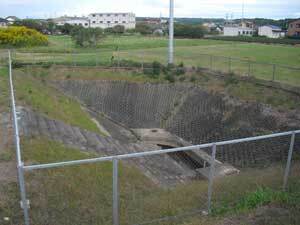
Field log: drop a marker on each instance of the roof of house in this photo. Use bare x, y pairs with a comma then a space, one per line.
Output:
12, 17
3, 20
295, 20
273, 27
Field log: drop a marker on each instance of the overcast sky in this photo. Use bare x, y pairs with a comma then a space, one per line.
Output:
276, 9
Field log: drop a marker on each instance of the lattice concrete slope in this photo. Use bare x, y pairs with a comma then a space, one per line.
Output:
188, 112
162, 170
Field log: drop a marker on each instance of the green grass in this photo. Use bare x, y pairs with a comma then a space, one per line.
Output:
90, 73
231, 86
61, 44
249, 91
34, 92
4, 89
193, 52
84, 193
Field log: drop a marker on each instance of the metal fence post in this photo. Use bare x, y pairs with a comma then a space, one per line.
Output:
229, 64
211, 177
115, 193
143, 55
20, 165
289, 160
249, 68
274, 71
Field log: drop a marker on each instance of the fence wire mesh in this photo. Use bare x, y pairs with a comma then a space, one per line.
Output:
72, 195
138, 58
159, 189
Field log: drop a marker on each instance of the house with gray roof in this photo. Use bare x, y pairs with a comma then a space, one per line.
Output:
3, 22
271, 31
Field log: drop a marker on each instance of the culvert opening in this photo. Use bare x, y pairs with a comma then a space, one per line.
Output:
185, 158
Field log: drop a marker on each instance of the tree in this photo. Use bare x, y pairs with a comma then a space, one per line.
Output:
86, 37
119, 29
189, 31
66, 28
143, 28
32, 24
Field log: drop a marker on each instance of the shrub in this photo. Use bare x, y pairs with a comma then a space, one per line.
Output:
143, 28
156, 68
263, 40
86, 37
189, 31
21, 37
170, 77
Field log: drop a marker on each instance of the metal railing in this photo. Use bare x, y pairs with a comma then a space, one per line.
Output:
117, 158
131, 59
20, 164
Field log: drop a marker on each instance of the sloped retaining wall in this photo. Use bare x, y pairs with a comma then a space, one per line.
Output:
190, 113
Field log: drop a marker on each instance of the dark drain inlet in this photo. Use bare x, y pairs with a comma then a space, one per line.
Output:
184, 158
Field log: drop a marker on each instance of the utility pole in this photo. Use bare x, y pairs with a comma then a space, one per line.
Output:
171, 33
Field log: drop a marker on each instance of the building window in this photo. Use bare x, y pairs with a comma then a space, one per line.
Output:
108, 21
86, 24
116, 21
101, 21
124, 15
124, 22
247, 32
94, 21
239, 32
243, 32
108, 14
298, 25
291, 25
93, 15
101, 15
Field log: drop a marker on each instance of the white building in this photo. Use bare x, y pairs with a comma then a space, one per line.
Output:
271, 31
79, 21
242, 29
12, 19
108, 20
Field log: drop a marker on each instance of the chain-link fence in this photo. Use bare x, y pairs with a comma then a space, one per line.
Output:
3, 58
123, 189
138, 58
157, 186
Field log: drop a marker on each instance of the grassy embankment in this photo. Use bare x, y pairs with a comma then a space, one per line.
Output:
243, 90
83, 193
35, 93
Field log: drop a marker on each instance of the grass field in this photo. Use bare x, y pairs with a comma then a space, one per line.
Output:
83, 193
247, 58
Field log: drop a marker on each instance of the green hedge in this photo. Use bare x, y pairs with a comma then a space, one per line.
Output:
264, 40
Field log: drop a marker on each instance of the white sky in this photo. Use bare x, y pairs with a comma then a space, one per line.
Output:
184, 8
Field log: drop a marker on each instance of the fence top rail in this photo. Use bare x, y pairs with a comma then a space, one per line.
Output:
155, 152
49, 54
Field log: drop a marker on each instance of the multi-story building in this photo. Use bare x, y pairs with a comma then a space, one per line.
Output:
294, 29
109, 20
243, 29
